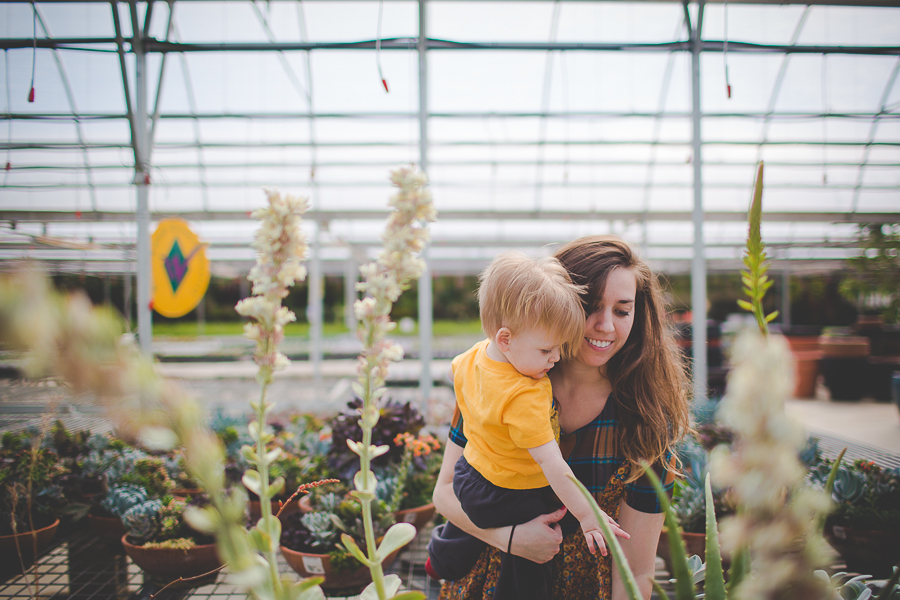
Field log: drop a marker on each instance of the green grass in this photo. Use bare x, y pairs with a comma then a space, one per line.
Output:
190, 329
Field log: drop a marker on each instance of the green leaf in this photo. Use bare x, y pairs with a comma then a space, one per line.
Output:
740, 568
350, 544
409, 596
391, 586
890, 586
715, 577
275, 487
260, 540
249, 453
659, 591
829, 487
272, 455
771, 316
203, 519
745, 305
396, 537
684, 586
363, 483
612, 543
251, 481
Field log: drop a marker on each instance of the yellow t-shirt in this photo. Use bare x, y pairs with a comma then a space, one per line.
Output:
504, 414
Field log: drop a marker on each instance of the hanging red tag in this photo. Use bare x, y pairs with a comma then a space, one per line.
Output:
384, 82
729, 90
31, 95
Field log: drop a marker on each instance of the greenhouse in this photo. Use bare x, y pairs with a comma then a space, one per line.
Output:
143, 141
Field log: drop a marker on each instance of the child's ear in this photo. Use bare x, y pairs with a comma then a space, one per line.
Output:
502, 338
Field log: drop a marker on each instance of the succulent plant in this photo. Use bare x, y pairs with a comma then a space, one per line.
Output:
29, 479
142, 520
849, 486
68, 445
394, 418
122, 497
322, 530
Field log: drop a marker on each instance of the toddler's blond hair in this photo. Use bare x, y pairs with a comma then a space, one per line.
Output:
522, 293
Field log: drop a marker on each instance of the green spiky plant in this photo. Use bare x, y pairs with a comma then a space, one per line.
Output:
756, 282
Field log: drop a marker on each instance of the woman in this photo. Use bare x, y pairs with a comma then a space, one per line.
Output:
620, 399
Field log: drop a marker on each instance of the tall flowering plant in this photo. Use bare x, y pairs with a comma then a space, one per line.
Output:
251, 553
67, 337
383, 282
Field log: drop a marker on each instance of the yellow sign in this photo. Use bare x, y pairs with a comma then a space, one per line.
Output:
180, 268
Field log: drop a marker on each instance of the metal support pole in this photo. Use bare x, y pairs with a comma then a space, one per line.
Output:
698, 262
351, 275
786, 298
425, 310
314, 307
142, 181
126, 295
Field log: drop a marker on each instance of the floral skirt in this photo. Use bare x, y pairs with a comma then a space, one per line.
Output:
578, 574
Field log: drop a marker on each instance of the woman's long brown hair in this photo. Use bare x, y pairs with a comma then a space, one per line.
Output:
648, 376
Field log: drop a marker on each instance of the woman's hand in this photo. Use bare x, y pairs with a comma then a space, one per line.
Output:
538, 540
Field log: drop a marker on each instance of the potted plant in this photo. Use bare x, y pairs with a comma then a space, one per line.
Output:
413, 479
30, 499
873, 285
864, 526
183, 484
394, 418
844, 363
133, 477
689, 495
310, 542
165, 547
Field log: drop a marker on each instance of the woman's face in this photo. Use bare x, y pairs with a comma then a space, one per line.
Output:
607, 328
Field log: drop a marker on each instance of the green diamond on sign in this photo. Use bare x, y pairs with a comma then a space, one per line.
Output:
176, 266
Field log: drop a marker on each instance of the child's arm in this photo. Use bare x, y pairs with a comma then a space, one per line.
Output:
558, 472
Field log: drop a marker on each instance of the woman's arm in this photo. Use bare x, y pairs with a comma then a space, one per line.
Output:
640, 549
537, 540
560, 476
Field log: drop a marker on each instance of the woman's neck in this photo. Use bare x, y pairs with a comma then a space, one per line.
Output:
581, 391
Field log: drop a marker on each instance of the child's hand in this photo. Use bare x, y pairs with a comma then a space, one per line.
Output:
593, 534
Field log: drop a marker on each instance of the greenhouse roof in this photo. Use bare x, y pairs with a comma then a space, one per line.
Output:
541, 122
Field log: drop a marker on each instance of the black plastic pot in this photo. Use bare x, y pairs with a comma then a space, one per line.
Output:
845, 377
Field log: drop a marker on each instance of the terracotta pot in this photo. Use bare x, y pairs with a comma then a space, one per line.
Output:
419, 517
349, 582
165, 565
256, 509
868, 552
803, 342
108, 529
806, 372
843, 346
24, 544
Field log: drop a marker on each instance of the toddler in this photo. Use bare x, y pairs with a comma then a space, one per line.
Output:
512, 470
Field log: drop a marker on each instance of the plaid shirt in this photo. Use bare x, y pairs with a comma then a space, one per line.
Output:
593, 454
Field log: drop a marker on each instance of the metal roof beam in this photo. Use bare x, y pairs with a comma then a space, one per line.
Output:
409, 45
30, 216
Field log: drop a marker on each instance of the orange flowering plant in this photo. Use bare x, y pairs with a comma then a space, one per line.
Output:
417, 470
